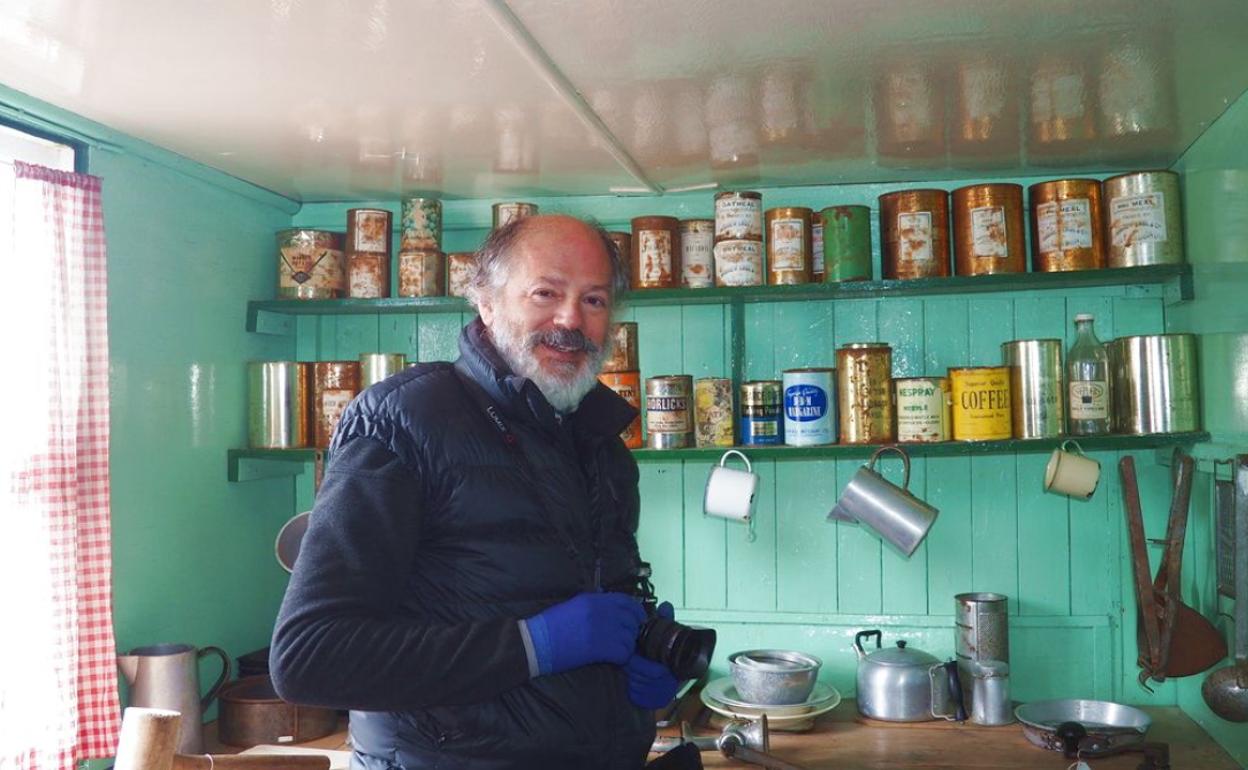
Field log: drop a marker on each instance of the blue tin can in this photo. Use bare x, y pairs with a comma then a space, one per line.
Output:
809, 407
761, 406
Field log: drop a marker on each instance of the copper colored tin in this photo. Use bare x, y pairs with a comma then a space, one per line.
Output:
505, 213
713, 412
697, 261
624, 248
368, 230
420, 273
914, 228
460, 267
864, 392
988, 229
788, 245
334, 384
738, 216
623, 348
656, 253
628, 386
310, 264
368, 276
1066, 230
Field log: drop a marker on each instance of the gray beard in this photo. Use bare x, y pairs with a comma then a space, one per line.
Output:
563, 388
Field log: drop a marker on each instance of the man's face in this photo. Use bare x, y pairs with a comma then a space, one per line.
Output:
551, 318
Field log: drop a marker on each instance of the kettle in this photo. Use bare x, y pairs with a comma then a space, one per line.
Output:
166, 676
904, 684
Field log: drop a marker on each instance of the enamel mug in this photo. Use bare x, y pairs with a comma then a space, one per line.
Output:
730, 491
1071, 473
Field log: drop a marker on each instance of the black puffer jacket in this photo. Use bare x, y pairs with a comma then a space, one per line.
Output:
430, 539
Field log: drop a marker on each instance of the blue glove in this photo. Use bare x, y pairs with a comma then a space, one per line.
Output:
651, 685
588, 628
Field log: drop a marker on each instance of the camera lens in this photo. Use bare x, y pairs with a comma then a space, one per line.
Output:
684, 650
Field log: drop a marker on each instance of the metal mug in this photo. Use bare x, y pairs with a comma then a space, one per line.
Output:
729, 491
897, 516
1071, 473
166, 676
990, 693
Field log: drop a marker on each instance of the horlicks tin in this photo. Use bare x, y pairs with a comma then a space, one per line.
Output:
809, 407
761, 423
922, 409
669, 420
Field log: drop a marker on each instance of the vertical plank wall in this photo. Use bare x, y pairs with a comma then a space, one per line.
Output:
808, 584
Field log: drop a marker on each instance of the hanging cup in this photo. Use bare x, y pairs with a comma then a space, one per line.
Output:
729, 491
1071, 473
898, 517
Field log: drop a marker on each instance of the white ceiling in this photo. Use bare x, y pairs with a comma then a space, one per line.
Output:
361, 99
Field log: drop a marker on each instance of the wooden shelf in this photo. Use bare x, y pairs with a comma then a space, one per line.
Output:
251, 464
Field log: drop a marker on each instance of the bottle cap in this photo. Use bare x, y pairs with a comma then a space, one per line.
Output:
1083, 317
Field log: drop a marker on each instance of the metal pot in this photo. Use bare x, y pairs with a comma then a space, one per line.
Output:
901, 684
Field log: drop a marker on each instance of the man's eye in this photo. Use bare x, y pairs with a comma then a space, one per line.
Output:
596, 301
543, 293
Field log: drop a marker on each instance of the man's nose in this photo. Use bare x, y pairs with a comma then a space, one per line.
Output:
569, 315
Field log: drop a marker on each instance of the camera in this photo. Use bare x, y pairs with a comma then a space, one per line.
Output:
685, 650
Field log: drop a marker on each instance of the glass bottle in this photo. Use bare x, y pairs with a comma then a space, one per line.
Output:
1087, 372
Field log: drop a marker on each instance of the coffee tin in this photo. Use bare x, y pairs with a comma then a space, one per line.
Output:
656, 253
864, 392
1145, 219
988, 229
846, 243
739, 263
761, 406
669, 419
628, 386
1155, 384
914, 226
506, 213
368, 230
368, 275
1037, 387
420, 273
809, 407
278, 394
310, 264
788, 245
334, 384
738, 216
623, 356
923, 409
1066, 229
816, 247
375, 367
460, 267
422, 224
713, 414
981, 403
697, 253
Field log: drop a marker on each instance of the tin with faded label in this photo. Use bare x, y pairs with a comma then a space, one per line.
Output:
713, 414
375, 367
420, 273
1037, 387
310, 264
368, 276
739, 263
988, 229
277, 401
816, 247
368, 230
761, 406
864, 392
1066, 231
697, 253
669, 416
788, 245
506, 213
334, 384
809, 406
923, 409
1145, 219
656, 253
628, 386
846, 243
738, 216
1155, 384
623, 356
422, 224
981, 403
461, 266
914, 228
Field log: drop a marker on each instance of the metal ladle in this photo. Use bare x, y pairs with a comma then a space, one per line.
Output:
1226, 690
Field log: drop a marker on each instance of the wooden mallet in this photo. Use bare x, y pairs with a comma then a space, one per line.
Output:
149, 741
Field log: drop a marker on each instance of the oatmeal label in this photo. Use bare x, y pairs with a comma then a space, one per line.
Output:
1064, 225
1135, 219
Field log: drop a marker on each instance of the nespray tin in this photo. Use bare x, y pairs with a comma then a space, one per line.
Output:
923, 409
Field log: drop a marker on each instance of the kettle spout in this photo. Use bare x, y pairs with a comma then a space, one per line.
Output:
129, 665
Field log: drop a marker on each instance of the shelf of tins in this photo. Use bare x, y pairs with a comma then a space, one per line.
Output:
260, 313
247, 464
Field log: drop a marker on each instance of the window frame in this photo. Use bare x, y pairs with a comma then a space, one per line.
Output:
79, 148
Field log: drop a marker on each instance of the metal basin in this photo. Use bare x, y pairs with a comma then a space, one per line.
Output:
774, 677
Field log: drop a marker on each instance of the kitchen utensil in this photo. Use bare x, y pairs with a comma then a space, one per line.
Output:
1104, 725
1224, 515
729, 491
981, 632
774, 677
894, 514
166, 676
904, 684
290, 539
990, 693
251, 713
1226, 690
1071, 473
148, 738
724, 693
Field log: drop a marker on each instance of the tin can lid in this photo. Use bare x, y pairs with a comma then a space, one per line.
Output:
1084, 317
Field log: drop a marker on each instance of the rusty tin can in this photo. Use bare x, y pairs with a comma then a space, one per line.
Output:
981, 403
669, 418
623, 356
713, 414
988, 229
738, 216
1145, 219
368, 230
656, 253
277, 404
624, 249
368, 276
506, 213
864, 391
310, 264
460, 267
1066, 229
923, 409
739, 263
762, 423
816, 247
809, 406
914, 226
697, 253
420, 273
375, 367
334, 384
788, 245
628, 386
422, 224
846, 243
1037, 387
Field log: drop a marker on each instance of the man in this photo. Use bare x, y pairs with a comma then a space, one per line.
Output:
451, 587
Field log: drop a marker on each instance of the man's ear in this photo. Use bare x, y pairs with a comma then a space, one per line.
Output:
485, 309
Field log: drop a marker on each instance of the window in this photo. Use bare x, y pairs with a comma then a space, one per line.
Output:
17, 144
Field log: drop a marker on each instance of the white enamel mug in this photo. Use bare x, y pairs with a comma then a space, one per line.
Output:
1071, 472
730, 491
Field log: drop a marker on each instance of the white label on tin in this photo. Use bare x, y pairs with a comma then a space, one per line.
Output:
1089, 400
667, 414
654, 253
1064, 226
696, 259
332, 404
370, 231
739, 263
988, 232
816, 248
788, 244
914, 236
921, 413
1136, 219
739, 218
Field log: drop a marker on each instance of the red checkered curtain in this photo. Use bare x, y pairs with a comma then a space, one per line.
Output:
58, 675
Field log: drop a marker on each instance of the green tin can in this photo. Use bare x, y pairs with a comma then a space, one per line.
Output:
846, 243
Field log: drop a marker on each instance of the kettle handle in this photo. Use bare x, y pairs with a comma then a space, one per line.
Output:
225, 674
858, 637
905, 458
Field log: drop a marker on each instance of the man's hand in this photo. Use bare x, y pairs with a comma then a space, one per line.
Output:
651, 685
588, 628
